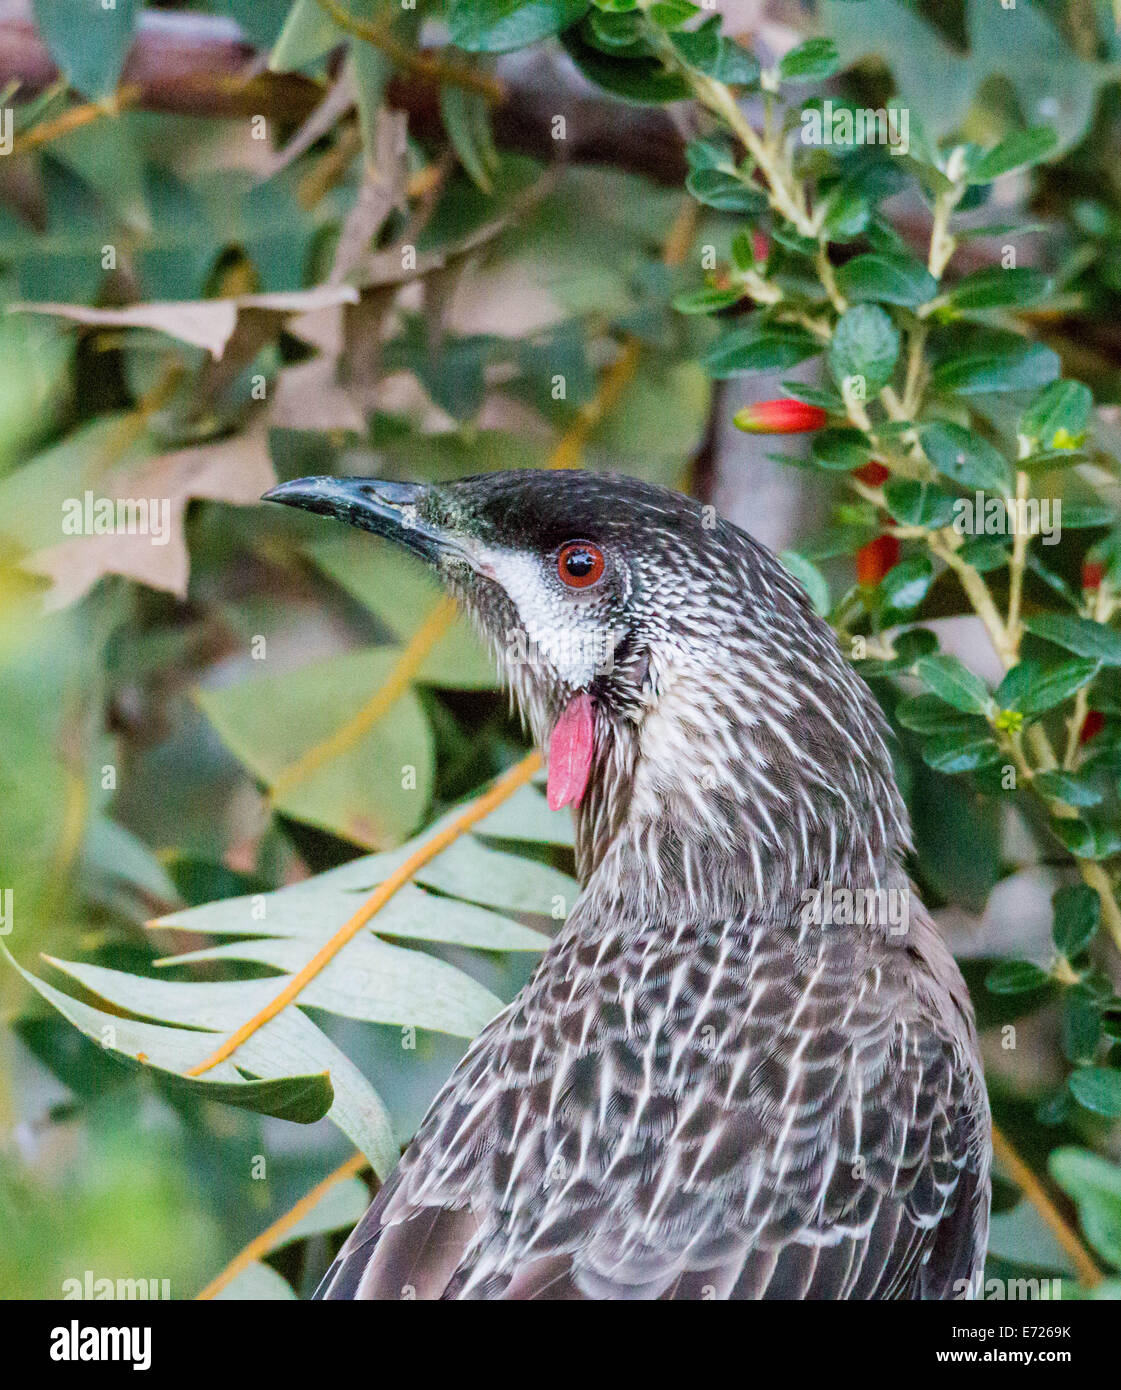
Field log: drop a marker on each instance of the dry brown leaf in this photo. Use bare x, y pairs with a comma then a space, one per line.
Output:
234, 470
204, 323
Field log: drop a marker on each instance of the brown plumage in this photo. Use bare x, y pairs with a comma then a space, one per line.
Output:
746, 1067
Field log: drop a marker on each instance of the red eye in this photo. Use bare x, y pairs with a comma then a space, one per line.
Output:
580, 564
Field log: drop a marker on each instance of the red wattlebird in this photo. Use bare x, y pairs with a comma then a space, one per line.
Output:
741, 1070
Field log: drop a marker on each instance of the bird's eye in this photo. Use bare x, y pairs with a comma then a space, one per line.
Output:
580, 564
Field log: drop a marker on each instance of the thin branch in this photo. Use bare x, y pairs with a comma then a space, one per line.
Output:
260, 1245
1088, 1272
422, 64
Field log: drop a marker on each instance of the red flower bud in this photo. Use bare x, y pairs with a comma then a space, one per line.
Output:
1091, 725
760, 246
875, 559
872, 473
1093, 572
780, 417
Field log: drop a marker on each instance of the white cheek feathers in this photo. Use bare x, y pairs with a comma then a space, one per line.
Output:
557, 629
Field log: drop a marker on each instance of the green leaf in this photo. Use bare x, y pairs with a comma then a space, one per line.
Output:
841, 449
716, 56
1017, 369
309, 32
300, 1098
1060, 413
965, 457
812, 395
88, 41
847, 214
1015, 977
1087, 841
1020, 148
954, 753
1097, 1089
1063, 786
890, 279
708, 300
671, 14
811, 61
1086, 638
1077, 910
642, 80
466, 117
363, 791
865, 346
743, 251
1031, 688
717, 188
810, 577
984, 555
927, 714
955, 683
758, 349
905, 586
1095, 1185
1081, 1025
1079, 516
996, 288
500, 26
919, 504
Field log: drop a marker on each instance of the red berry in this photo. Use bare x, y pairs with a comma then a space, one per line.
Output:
1091, 725
780, 417
760, 246
1093, 572
872, 473
875, 559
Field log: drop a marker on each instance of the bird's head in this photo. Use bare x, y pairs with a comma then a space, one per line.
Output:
672, 668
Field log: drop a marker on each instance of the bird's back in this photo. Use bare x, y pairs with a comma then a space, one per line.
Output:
699, 1111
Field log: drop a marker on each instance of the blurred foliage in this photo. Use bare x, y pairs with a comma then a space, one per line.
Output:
241, 727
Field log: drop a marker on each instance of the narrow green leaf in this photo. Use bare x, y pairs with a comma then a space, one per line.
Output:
1077, 910
889, 279
955, 683
1019, 369
500, 26
1015, 977
811, 61
997, 288
1033, 689
1058, 417
1022, 147
965, 457
1086, 638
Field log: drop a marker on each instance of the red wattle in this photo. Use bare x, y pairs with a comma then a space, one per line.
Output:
571, 749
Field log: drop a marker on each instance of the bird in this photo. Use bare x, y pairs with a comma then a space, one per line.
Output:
746, 1067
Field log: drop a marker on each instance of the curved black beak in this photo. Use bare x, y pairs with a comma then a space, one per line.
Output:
393, 510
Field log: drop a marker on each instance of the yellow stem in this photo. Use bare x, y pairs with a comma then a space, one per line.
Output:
482, 806
1088, 1272
260, 1245
396, 684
